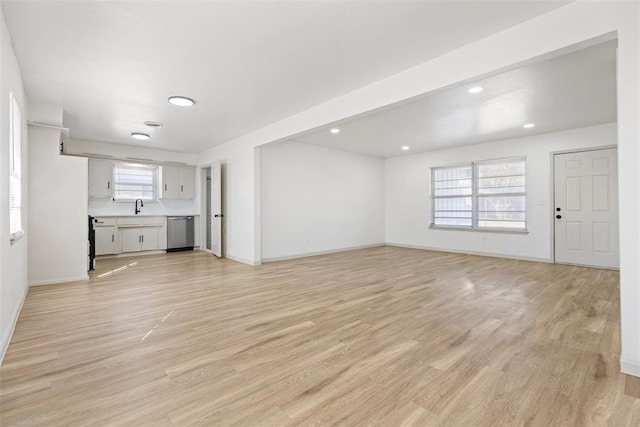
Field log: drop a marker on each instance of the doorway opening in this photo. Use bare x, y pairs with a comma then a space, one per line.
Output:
211, 191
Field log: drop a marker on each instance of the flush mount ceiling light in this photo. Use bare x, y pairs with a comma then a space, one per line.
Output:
153, 124
476, 89
139, 135
528, 125
405, 147
335, 130
181, 101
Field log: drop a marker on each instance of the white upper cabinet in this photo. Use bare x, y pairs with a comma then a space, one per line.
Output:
177, 182
187, 184
169, 182
100, 178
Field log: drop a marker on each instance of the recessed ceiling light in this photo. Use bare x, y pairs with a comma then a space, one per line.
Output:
335, 130
405, 147
139, 135
153, 124
476, 89
181, 101
528, 126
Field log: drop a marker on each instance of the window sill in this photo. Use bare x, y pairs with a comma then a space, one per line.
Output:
482, 230
14, 237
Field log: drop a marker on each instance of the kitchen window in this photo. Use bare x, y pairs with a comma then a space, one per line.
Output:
15, 170
483, 195
134, 181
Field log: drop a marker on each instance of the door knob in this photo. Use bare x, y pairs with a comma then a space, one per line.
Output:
558, 216
558, 209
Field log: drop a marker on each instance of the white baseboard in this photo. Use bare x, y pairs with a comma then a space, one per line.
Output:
242, 260
332, 251
58, 281
6, 337
630, 368
487, 254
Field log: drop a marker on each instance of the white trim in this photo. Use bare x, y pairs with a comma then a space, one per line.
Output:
464, 252
242, 260
332, 251
60, 281
630, 368
6, 338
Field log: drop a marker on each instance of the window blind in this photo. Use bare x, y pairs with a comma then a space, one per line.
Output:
489, 194
132, 181
15, 168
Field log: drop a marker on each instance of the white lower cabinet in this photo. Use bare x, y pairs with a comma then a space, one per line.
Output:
126, 234
150, 238
106, 240
139, 239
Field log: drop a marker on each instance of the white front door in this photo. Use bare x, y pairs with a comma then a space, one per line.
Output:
586, 208
216, 209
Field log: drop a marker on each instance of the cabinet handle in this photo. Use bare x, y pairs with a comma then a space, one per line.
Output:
139, 241
181, 188
108, 185
165, 187
113, 238
142, 238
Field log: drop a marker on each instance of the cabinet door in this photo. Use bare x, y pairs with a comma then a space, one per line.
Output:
187, 184
100, 178
170, 182
130, 239
150, 239
106, 240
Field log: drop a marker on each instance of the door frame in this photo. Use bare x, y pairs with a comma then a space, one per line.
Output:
203, 208
552, 204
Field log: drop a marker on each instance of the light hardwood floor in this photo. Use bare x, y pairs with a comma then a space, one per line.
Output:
382, 336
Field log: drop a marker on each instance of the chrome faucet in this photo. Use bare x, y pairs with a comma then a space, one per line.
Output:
141, 205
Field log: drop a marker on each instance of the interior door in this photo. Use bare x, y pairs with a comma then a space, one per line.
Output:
216, 209
586, 208
208, 210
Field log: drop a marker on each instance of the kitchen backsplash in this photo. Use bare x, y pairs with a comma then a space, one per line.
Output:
105, 206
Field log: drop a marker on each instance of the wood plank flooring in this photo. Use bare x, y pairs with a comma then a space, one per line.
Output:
382, 336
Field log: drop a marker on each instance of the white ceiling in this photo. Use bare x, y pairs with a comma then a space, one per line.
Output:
112, 65
574, 90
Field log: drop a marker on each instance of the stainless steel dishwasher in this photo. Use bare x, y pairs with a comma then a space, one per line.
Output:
179, 233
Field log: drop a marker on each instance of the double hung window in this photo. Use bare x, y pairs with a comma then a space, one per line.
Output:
488, 194
133, 181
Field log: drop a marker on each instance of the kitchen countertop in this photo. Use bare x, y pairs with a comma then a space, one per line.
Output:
139, 215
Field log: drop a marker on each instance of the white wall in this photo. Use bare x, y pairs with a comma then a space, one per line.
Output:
316, 199
106, 206
408, 210
13, 257
57, 211
578, 22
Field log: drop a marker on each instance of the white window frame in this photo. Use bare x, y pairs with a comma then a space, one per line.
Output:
153, 168
16, 230
475, 196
